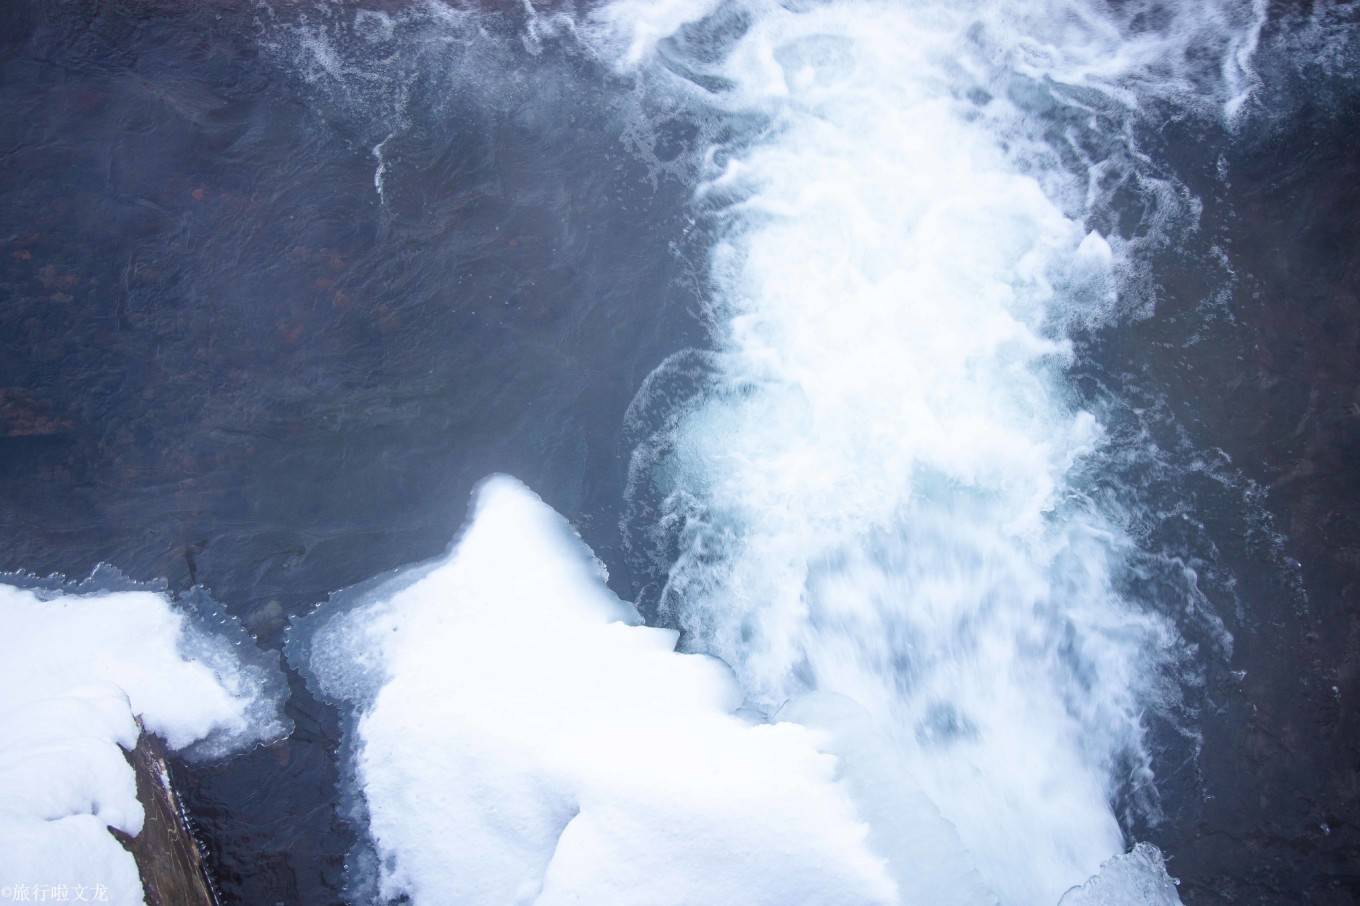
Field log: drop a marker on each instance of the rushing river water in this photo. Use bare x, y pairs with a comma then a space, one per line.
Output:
975, 380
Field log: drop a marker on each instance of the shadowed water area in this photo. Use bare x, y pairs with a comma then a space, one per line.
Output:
227, 362
245, 350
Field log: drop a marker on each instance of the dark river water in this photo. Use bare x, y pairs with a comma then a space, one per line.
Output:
241, 348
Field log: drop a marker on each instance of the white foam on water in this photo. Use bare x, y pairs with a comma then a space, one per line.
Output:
1238, 74
873, 496
521, 739
79, 671
639, 24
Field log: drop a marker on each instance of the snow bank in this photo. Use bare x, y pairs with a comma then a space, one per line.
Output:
79, 670
520, 739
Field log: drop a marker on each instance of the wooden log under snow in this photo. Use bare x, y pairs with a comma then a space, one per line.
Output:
167, 854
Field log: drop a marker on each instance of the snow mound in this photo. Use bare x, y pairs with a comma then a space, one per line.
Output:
521, 739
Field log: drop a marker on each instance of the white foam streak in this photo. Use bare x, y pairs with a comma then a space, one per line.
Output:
637, 25
1238, 74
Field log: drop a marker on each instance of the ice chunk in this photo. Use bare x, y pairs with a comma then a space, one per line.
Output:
1135, 878
520, 739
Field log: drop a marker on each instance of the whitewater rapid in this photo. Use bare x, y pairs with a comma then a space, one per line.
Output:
871, 497
871, 500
